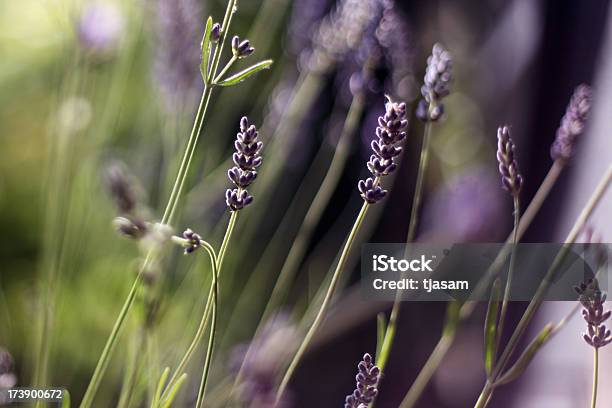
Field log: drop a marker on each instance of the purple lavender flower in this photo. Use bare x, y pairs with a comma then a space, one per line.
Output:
100, 27
123, 190
305, 15
247, 159
394, 38
593, 300
241, 49
391, 131
572, 124
261, 361
367, 380
438, 76
194, 239
215, 33
177, 60
511, 179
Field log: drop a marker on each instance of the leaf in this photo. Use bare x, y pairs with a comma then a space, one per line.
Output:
206, 49
490, 329
381, 330
175, 389
66, 399
242, 75
523, 361
160, 386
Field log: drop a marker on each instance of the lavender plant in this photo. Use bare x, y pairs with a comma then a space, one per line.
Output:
211, 58
366, 384
512, 181
597, 335
247, 159
390, 132
436, 86
467, 309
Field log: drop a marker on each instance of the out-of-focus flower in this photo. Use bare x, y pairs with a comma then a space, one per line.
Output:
394, 38
508, 167
367, 381
177, 61
123, 189
572, 124
7, 376
260, 362
342, 31
305, 15
100, 27
438, 76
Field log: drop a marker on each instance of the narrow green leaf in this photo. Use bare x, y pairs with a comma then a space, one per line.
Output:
242, 75
490, 329
175, 389
381, 330
160, 386
66, 399
523, 361
206, 49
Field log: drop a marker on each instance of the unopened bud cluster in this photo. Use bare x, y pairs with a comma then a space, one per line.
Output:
508, 167
241, 49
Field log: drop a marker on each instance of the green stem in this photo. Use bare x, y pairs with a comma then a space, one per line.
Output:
418, 191
207, 309
412, 228
504, 308
224, 70
485, 396
318, 205
213, 325
326, 301
167, 218
111, 343
595, 377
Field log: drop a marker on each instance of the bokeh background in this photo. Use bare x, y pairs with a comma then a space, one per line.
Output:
84, 84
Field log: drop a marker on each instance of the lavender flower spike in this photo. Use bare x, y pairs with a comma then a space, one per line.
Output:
438, 76
593, 300
391, 131
367, 380
511, 179
572, 124
246, 160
